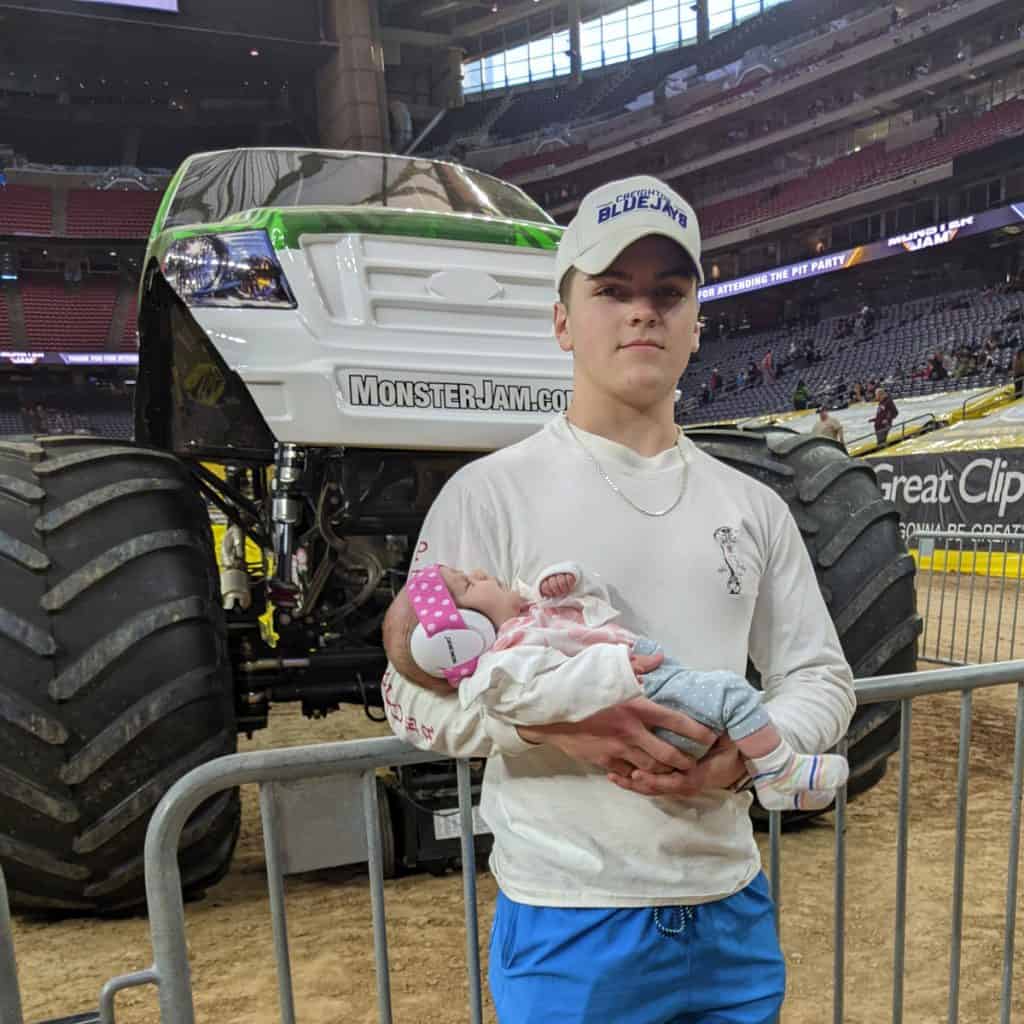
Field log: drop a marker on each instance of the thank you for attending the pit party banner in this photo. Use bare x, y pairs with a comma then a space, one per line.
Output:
976, 492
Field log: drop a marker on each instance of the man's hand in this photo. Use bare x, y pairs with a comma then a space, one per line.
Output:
620, 740
720, 768
558, 584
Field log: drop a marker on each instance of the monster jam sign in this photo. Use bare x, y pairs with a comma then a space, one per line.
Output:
970, 491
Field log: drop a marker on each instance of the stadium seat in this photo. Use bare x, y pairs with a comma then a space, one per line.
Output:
59, 317
26, 210
871, 165
5, 322
113, 214
130, 337
904, 337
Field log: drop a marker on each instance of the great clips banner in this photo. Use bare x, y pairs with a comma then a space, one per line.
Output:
912, 241
971, 492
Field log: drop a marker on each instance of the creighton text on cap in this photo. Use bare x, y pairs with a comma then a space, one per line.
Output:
640, 199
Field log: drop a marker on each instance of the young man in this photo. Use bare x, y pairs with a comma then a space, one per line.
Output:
630, 883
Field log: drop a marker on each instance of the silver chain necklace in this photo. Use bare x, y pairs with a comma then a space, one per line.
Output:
615, 487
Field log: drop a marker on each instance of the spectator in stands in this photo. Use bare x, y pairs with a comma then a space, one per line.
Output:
857, 392
937, 368
966, 364
801, 396
37, 419
1017, 371
867, 321
828, 426
706, 395
715, 380
768, 365
885, 414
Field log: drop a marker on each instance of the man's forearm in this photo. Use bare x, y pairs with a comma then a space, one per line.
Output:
434, 721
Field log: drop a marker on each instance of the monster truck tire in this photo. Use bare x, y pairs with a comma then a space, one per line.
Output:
862, 565
115, 678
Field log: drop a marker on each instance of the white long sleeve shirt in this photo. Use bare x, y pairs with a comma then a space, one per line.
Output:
724, 575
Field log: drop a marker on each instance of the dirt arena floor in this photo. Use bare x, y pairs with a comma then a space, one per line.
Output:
64, 964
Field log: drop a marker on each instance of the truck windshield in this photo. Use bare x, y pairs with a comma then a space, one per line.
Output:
221, 184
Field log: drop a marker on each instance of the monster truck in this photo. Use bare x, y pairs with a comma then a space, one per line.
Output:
325, 338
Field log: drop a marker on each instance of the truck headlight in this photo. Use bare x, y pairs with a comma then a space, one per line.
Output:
236, 269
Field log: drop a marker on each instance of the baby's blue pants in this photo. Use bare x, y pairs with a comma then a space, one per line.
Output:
722, 701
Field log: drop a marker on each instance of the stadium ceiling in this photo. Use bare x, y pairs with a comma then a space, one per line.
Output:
97, 40
470, 23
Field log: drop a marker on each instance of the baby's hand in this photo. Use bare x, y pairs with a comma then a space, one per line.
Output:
558, 584
644, 663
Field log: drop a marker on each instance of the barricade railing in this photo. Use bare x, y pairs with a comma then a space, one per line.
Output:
897, 433
969, 594
171, 975
10, 997
982, 399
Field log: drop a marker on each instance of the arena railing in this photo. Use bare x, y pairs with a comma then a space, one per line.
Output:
975, 616
869, 441
171, 973
979, 403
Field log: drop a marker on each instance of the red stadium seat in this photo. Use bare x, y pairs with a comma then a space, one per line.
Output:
59, 317
5, 322
26, 210
870, 166
113, 214
550, 157
130, 337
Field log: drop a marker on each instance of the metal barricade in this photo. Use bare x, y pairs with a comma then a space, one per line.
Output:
970, 588
171, 972
10, 998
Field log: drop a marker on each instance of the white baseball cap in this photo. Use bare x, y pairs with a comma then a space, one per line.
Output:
614, 216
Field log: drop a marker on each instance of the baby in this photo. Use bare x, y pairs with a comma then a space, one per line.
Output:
552, 653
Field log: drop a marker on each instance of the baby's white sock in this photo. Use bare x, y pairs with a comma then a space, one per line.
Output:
785, 780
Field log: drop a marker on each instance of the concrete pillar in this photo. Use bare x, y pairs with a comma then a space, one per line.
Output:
703, 22
575, 45
351, 93
452, 79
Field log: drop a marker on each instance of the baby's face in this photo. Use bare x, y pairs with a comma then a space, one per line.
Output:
482, 593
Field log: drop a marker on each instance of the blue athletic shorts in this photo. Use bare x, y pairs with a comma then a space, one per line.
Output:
715, 963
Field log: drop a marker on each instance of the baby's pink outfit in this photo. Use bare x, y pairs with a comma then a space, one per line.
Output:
561, 626
562, 660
